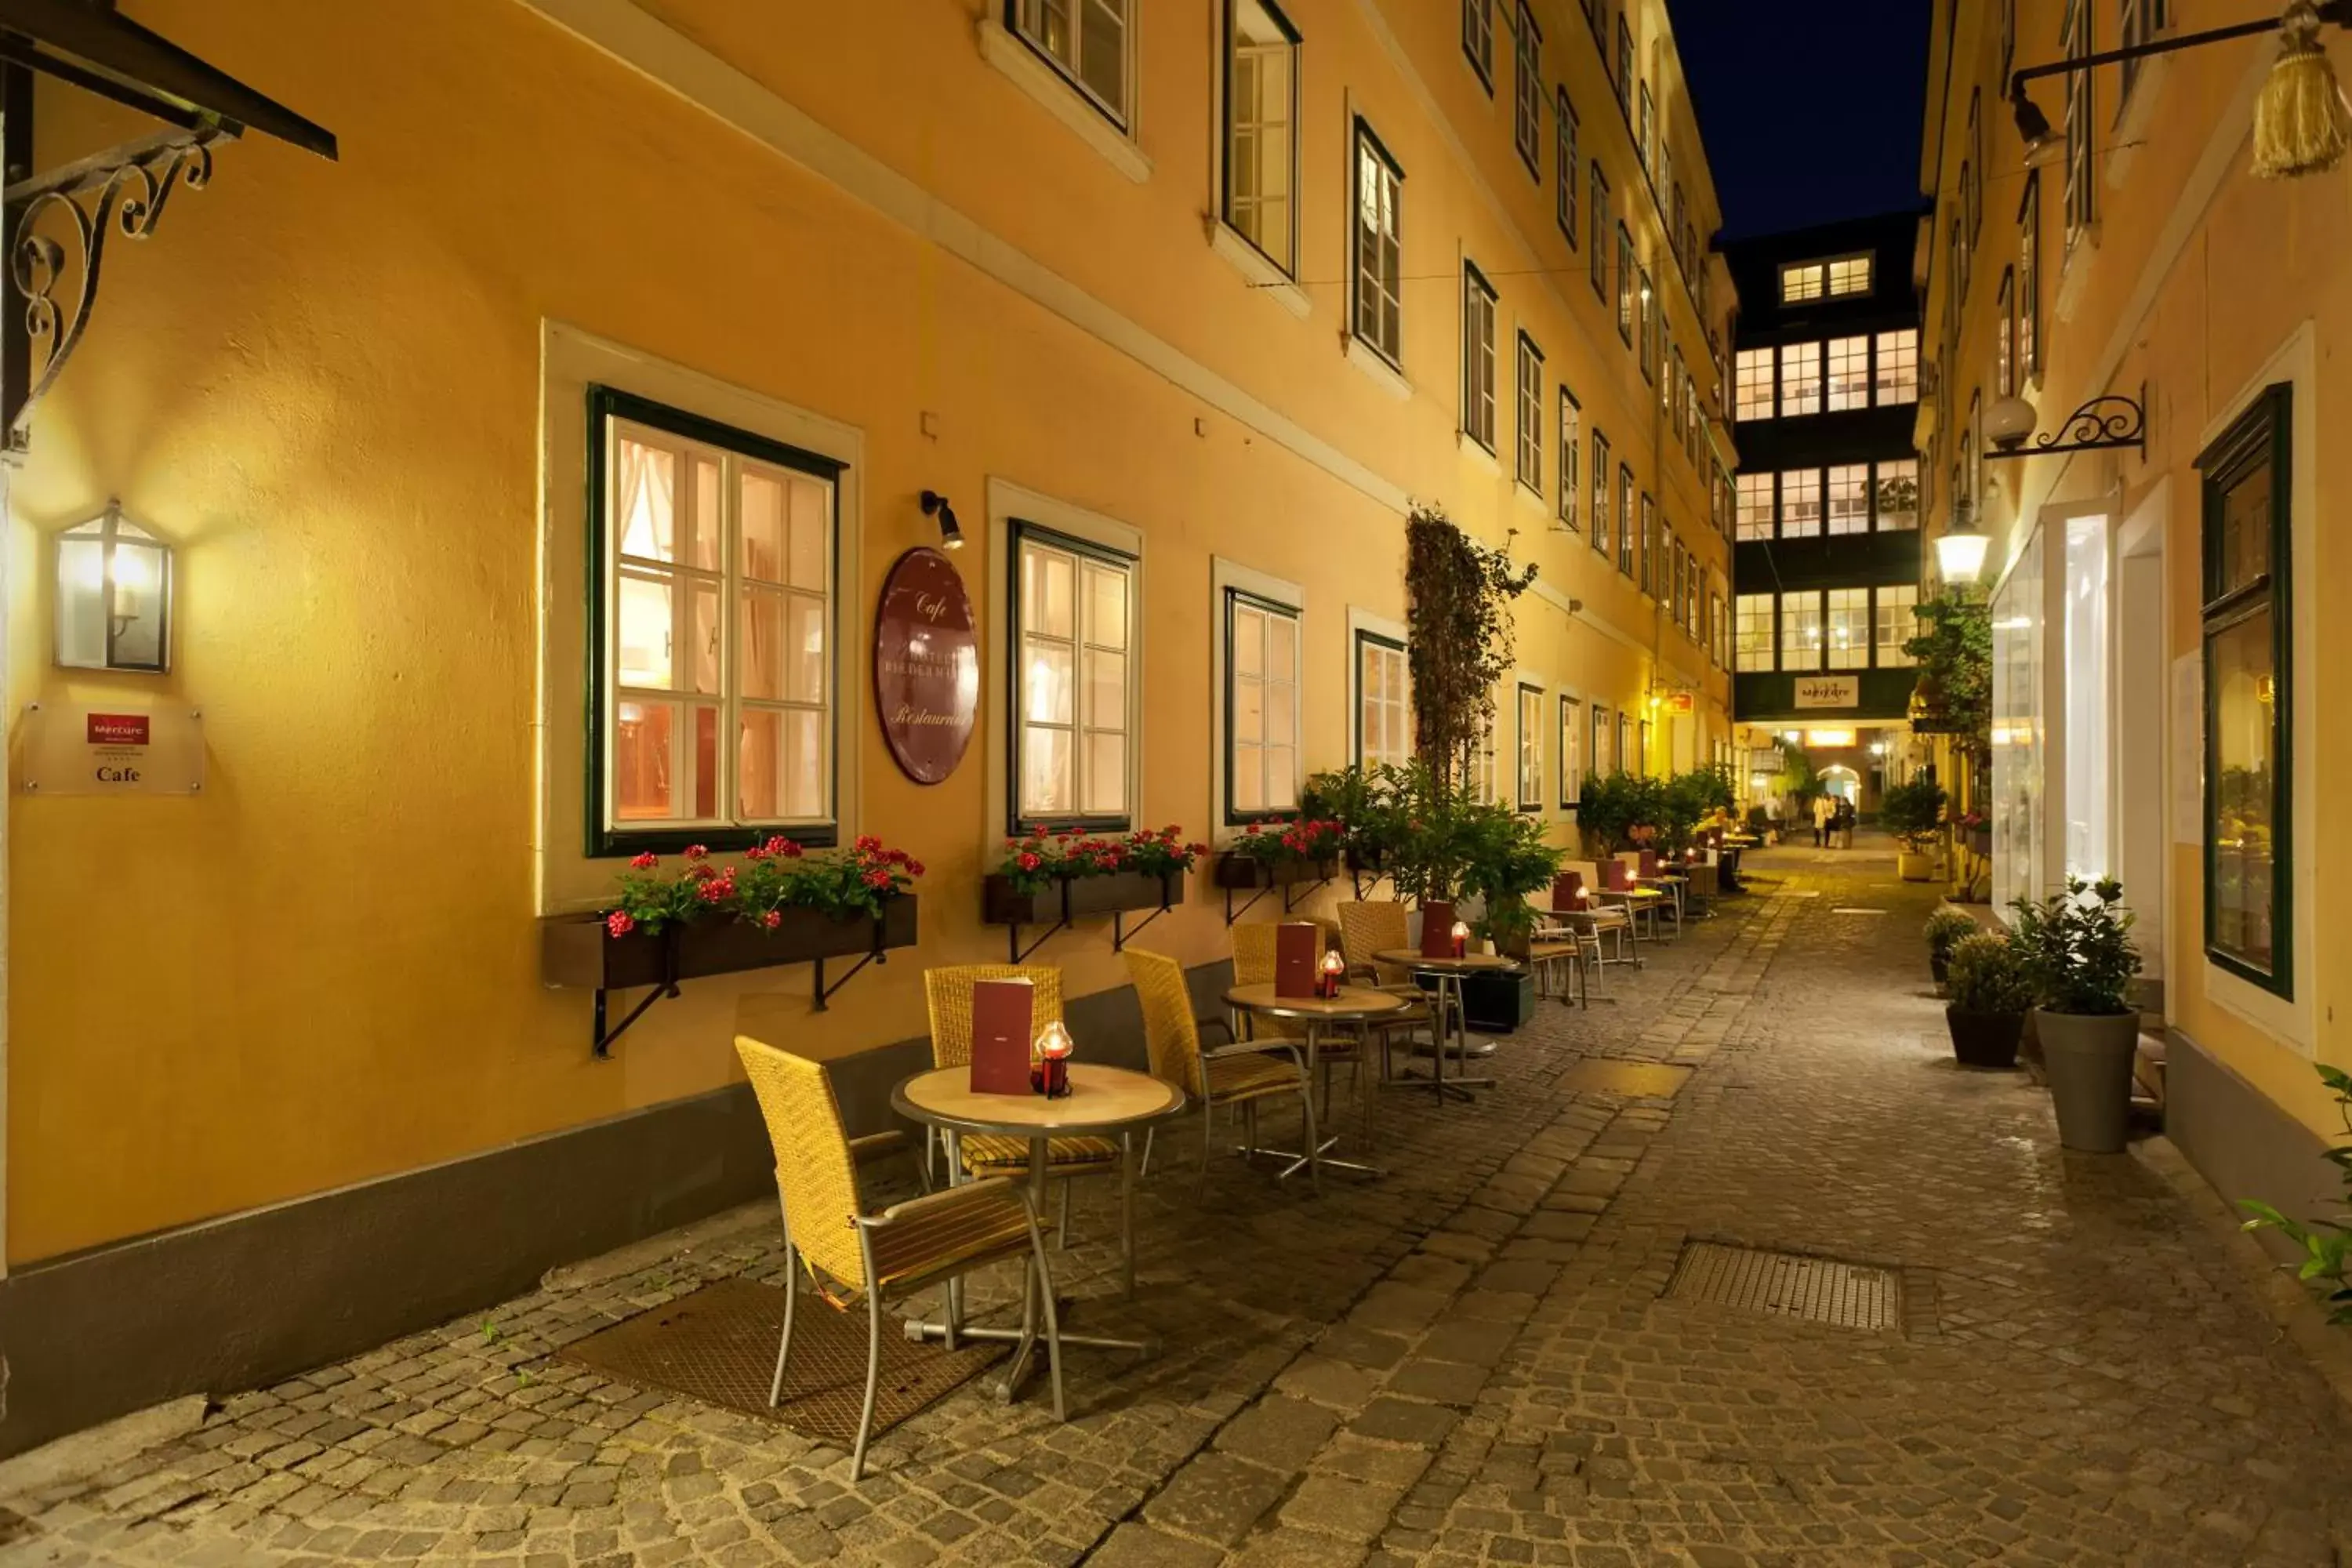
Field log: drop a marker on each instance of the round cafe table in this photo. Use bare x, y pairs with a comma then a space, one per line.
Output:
1103, 1102
1447, 973
1353, 1004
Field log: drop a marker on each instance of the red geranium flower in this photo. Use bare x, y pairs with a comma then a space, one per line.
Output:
645, 862
618, 923
773, 918
697, 852
877, 878
1028, 861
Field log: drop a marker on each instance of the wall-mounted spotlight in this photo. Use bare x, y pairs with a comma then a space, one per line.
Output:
950, 531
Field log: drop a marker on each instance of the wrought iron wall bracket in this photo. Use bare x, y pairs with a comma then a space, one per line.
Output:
1295, 891
1020, 954
1232, 914
122, 190
1356, 880
824, 993
2121, 425
1121, 932
600, 1039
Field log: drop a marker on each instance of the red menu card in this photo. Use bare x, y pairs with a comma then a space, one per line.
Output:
1437, 930
1298, 949
1002, 1023
1649, 862
1564, 890
1614, 877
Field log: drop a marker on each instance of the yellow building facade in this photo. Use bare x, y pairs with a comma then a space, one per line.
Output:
2165, 707
1206, 291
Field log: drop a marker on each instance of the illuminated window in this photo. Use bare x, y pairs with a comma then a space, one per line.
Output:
1378, 236
2004, 334
1571, 472
1626, 284
1531, 414
1570, 169
1597, 208
1752, 631
1801, 631
1897, 625
1260, 707
1898, 366
1648, 298
1849, 274
1477, 357
1527, 98
1600, 495
1897, 495
1801, 503
2029, 279
1800, 379
1530, 739
1800, 283
1383, 702
1603, 731
715, 695
1571, 751
1261, 130
1754, 382
1479, 39
1847, 635
1849, 496
1625, 519
1755, 506
1087, 41
1849, 373
1075, 687
2081, 179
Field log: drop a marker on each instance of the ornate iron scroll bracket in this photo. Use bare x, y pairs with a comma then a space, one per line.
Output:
2100, 423
57, 250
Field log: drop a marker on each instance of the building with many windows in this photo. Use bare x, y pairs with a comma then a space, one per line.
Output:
2135, 332
1826, 507
533, 507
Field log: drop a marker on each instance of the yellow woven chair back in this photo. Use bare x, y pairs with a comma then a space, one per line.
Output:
1169, 1032
814, 1177
949, 993
1377, 926
1253, 966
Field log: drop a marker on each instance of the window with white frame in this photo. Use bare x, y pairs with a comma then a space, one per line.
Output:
1530, 421
1531, 748
1755, 506
1477, 356
1625, 524
1604, 731
1753, 379
1653, 560
1800, 379
1897, 495
1650, 314
1599, 518
1570, 165
1849, 373
1383, 702
1571, 751
1847, 636
2074, 42
1636, 761
1898, 366
1261, 129
1527, 96
715, 682
2004, 334
1849, 497
1624, 66
1485, 783
1625, 284
1087, 41
1800, 281
1752, 631
1801, 503
1479, 39
1261, 769
1897, 623
1800, 630
1377, 236
1075, 680
1598, 209
1645, 133
1849, 274
1571, 437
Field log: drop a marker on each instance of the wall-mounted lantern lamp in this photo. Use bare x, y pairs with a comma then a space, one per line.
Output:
114, 595
950, 531
1960, 549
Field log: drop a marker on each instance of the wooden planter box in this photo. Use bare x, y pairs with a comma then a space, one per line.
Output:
575, 950
1241, 871
1499, 1001
1075, 897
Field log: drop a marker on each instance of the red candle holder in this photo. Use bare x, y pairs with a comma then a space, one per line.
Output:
1461, 939
1327, 981
1051, 1076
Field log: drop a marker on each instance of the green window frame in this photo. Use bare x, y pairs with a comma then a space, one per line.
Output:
2247, 620
607, 835
1084, 641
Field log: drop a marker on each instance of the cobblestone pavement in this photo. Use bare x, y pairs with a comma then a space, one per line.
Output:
1470, 1359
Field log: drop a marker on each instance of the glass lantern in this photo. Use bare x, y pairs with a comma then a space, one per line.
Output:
114, 596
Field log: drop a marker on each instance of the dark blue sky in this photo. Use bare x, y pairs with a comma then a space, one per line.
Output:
1811, 112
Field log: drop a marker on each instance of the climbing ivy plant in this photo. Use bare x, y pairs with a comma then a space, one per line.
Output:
1954, 647
1460, 620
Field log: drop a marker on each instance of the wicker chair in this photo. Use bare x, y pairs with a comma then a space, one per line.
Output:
1375, 926
848, 1253
1234, 1075
948, 993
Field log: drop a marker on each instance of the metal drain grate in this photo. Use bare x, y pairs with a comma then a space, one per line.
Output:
1789, 1285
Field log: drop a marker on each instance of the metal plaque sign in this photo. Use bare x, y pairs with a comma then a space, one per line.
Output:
926, 665
112, 749
1829, 691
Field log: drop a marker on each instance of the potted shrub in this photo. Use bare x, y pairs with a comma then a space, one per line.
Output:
1944, 928
1913, 812
1990, 992
2324, 1246
1505, 859
2078, 950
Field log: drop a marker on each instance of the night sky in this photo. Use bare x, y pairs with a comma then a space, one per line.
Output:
1811, 112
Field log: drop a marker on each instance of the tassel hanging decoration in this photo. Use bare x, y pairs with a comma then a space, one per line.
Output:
2302, 123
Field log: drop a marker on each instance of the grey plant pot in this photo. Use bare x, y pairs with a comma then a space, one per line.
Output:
2089, 1059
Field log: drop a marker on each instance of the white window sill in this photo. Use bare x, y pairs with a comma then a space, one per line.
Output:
1263, 276
1060, 98
1365, 358
1478, 456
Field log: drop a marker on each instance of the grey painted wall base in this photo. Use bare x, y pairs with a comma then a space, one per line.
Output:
249, 1299
2242, 1142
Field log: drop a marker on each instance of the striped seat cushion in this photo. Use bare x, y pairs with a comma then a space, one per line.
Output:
997, 1152
1248, 1075
949, 1233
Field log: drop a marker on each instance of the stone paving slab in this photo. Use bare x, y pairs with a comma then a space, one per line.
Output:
1466, 1361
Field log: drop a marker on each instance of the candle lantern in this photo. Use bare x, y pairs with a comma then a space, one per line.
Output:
1052, 1078
1461, 939
1335, 968
114, 596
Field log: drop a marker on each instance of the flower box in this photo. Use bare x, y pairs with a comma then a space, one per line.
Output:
1241, 871
575, 950
1496, 1002
1073, 897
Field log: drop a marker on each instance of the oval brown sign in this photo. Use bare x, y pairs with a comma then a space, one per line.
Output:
926, 665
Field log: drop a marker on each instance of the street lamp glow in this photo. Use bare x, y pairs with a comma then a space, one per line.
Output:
1960, 553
